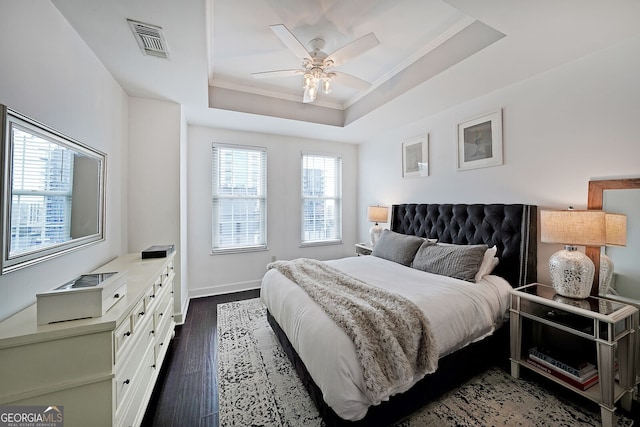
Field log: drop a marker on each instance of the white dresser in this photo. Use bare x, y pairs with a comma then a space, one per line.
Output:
101, 370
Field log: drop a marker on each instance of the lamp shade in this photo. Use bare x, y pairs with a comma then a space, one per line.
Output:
377, 213
573, 227
616, 226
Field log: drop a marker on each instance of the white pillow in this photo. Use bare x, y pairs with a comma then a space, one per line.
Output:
489, 262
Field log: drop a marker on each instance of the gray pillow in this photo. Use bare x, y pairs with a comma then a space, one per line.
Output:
457, 261
396, 247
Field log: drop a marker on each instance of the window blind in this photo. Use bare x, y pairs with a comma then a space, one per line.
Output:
321, 198
239, 198
41, 192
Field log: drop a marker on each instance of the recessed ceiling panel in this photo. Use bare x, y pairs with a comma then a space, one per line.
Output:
243, 42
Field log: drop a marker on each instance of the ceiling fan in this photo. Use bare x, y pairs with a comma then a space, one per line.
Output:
317, 66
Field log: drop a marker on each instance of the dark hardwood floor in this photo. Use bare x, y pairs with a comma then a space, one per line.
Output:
186, 393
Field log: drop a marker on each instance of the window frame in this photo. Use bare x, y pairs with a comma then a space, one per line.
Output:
337, 199
215, 219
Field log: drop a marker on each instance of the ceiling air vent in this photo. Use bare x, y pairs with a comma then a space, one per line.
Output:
150, 38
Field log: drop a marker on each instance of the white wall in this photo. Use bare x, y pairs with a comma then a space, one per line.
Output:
561, 128
211, 274
155, 129
48, 73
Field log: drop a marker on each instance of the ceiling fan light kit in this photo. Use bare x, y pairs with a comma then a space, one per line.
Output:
313, 78
316, 63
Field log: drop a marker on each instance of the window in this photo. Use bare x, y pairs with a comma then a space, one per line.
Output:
239, 198
321, 199
41, 192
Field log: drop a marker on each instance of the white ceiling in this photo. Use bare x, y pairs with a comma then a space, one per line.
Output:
433, 54
243, 43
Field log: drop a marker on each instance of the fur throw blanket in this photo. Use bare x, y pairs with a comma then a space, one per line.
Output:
393, 338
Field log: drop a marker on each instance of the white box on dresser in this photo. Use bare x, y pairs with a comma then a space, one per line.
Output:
90, 295
101, 370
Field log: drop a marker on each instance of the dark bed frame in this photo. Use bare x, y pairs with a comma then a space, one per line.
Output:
513, 229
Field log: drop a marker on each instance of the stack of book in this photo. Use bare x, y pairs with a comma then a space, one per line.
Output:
581, 375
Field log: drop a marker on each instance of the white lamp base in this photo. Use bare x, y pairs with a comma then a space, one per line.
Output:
374, 234
571, 273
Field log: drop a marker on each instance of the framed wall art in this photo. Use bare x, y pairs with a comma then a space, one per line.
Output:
480, 141
415, 156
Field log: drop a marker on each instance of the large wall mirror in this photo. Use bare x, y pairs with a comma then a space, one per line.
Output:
620, 196
53, 188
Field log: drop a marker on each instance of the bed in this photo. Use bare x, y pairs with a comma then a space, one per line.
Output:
465, 332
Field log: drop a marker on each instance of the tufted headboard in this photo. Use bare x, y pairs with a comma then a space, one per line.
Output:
512, 228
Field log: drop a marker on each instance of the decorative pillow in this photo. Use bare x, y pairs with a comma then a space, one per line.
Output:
457, 261
396, 247
489, 262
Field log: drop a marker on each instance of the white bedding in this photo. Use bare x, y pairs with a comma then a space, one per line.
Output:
460, 312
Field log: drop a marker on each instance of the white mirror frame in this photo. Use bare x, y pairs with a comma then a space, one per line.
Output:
9, 263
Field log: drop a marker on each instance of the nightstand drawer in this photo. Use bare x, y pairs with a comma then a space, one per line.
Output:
558, 317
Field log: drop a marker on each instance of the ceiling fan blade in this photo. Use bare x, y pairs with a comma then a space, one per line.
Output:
291, 41
350, 81
353, 49
276, 73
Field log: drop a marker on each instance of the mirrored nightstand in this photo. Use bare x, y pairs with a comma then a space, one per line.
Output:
577, 331
363, 249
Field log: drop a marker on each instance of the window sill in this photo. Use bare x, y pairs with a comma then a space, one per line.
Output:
321, 243
238, 250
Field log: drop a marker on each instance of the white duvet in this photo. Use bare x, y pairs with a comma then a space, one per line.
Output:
460, 312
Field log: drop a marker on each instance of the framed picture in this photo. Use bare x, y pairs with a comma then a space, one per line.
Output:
415, 156
480, 141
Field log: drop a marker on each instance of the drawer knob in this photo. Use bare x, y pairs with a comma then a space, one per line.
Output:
152, 296
116, 296
153, 366
141, 313
160, 315
152, 332
127, 334
126, 381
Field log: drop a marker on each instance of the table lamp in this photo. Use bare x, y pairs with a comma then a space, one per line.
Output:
376, 214
616, 235
571, 270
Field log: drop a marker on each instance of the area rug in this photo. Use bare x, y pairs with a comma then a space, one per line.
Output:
258, 386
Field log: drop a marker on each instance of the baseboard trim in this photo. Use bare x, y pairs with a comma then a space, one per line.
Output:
224, 289
180, 317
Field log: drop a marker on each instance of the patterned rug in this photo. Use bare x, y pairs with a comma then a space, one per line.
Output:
258, 386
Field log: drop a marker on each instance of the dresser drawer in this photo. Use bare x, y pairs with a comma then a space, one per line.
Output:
167, 273
131, 387
126, 368
150, 298
121, 337
162, 289
110, 299
138, 314
164, 310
